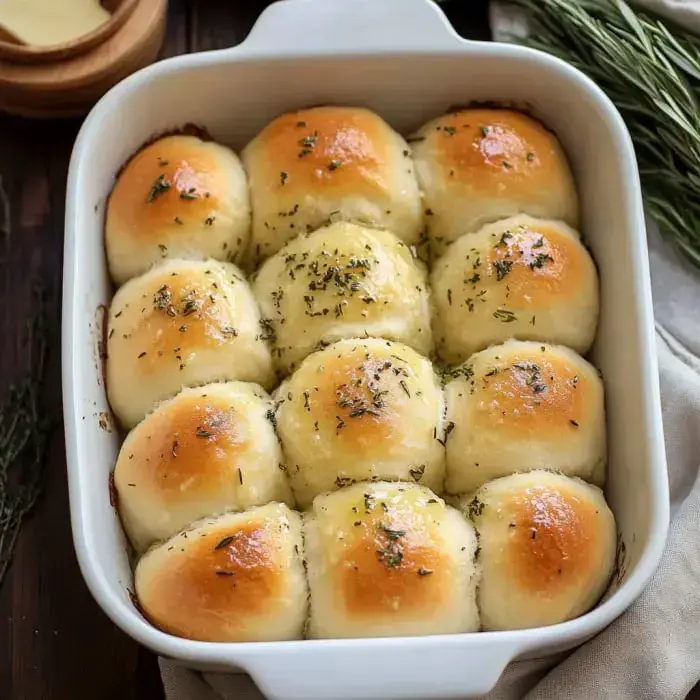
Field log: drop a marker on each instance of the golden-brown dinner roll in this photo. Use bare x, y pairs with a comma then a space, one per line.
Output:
208, 450
475, 166
343, 281
361, 409
235, 578
521, 406
389, 559
547, 549
179, 197
519, 278
313, 165
184, 323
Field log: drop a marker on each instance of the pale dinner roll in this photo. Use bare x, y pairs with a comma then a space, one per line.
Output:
235, 578
519, 278
184, 323
521, 406
361, 409
313, 165
179, 197
547, 549
475, 166
389, 559
343, 281
208, 450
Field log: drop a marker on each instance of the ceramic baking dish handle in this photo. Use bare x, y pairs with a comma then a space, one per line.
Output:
338, 26
371, 673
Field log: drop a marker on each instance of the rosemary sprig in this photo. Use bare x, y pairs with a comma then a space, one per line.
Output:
650, 69
24, 433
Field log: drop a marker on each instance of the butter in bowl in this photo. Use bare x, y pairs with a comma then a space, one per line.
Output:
47, 23
59, 58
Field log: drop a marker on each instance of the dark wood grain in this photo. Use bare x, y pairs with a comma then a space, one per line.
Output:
55, 643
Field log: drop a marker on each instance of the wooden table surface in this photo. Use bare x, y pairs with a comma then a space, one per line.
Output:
55, 643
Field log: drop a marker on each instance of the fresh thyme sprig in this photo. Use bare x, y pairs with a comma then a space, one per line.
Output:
24, 433
650, 69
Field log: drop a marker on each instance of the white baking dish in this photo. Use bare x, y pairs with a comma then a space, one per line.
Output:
402, 59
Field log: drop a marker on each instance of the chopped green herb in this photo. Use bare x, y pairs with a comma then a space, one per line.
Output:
391, 555
504, 315
503, 267
503, 240
309, 140
391, 534
224, 543
160, 186
473, 279
466, 371
540, 260
475, 507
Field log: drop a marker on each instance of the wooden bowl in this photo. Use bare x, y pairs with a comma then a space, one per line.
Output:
70, 87
12, 50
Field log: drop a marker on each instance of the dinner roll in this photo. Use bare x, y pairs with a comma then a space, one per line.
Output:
475, 166
343, 281
520, 406
235, 578
389, 559
309, 166
184, 323
361, 409
179, 197
208, 450
519, 278
547, 549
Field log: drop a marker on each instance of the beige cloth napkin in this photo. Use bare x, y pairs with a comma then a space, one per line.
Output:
652, 652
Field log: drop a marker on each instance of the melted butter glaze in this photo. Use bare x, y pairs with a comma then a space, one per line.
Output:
192, 448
